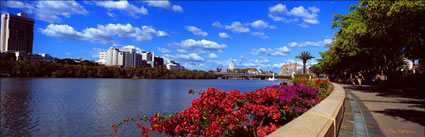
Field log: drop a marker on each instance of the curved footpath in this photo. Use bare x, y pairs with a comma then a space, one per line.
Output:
386, 112
361, 112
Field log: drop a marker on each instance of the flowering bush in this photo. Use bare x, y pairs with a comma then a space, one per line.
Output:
221, 113
324, 86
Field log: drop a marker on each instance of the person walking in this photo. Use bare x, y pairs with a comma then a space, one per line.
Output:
352, 79
359, 78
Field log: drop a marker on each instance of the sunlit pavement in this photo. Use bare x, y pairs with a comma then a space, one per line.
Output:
371, 112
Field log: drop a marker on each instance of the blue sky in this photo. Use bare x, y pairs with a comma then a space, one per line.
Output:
199, 35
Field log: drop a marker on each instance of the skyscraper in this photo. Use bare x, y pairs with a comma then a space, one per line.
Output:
17, 32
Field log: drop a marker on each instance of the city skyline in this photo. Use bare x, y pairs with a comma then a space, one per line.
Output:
260, 35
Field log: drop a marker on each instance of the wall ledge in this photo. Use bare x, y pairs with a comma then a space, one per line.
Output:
323, 120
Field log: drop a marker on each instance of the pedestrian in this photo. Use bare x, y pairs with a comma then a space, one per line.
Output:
352, 79
360, 78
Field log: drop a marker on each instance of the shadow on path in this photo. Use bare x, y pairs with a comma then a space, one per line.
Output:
406, 114
387, 92
416, 94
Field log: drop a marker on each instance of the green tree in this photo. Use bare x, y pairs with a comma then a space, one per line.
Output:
376, 36
304, 56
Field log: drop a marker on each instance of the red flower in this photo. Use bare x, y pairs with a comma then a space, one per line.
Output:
145, 131
139, 125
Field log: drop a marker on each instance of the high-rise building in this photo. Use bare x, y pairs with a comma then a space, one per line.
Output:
103, 56
129, 57
158, 62
112, 57
123, 57
288, 69
17, 32
148, 57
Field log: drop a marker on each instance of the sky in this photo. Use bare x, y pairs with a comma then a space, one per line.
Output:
200, 35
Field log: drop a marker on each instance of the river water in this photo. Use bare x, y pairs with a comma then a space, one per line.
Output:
89, 107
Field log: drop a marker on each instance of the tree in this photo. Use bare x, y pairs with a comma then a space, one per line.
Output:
304, 56
375, 37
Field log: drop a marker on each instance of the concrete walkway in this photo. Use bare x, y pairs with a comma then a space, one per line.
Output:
371, 111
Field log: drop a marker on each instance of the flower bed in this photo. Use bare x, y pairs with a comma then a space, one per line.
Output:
221, 113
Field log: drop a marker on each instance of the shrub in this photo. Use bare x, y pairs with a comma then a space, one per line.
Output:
221, 113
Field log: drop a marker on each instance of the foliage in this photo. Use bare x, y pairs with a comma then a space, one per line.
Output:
304, 56
375, 37
221, 113
90, 70
324, 86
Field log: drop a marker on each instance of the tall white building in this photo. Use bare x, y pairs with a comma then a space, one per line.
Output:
231, 66
112, 57
103, 57
126, 57
17, 32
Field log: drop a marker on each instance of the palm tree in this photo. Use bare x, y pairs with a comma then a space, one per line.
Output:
304, 56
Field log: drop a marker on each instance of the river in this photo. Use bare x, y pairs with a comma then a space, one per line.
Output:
89, 107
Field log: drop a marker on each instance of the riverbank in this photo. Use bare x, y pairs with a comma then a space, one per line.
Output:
51, 70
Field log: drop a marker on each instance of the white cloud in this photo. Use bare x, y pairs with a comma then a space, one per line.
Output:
177, 8
161, 4
95, 52
191, 57
181, 51
111, 14
132, 47
282, 51
161, 33
224, 35
260, 34
164, 4
237, 27
196, 31
164, 50
212, 56
201, 45
308, 16
103, 33
217, 24
277, 65
68, 53
279, 8
310, 43
260, 24
18, 5
131, 9
48, 11
290, 61
282, 19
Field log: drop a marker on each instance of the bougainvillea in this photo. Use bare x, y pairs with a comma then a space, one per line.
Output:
221, 113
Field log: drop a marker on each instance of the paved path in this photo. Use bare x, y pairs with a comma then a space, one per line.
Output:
371, 112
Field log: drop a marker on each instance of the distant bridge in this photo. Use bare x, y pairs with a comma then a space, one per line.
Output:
246, 76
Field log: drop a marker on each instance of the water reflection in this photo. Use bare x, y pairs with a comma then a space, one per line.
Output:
88, 107
16, 109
